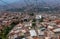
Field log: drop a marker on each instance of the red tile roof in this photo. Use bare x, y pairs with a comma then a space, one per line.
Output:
57, 21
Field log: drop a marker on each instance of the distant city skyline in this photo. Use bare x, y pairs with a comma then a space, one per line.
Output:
8, 4
22, 1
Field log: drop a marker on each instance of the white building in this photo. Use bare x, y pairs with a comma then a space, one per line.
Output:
33, 33
57, 30
41, 33
38, 16
27, 24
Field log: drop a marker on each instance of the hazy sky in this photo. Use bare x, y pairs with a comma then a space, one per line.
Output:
12, 1
8, 1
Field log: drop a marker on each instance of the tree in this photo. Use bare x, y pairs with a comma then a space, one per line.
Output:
7, 30
33, 24
0, 38
34, 20
41, 20
31, 14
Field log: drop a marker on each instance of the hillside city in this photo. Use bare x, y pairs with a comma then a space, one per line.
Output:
17, 25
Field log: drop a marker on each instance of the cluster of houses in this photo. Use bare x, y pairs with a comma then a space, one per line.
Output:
38, 26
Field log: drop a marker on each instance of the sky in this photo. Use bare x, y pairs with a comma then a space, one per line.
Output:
15, 2
12, 1
8, 1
